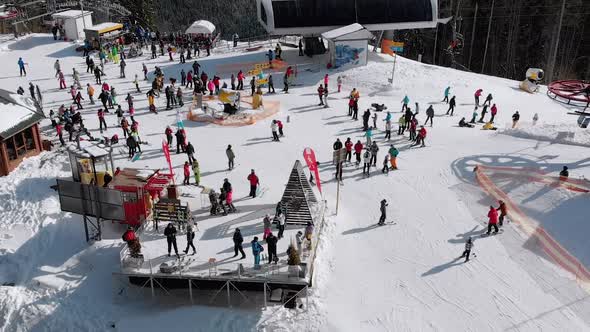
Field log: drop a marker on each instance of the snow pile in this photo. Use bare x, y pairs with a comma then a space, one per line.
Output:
555, 133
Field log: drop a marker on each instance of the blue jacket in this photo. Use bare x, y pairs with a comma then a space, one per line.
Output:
256, 248
21, 63
447, 90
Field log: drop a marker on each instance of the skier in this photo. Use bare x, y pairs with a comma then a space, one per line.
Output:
405, 102
196, 172
125, 127
179, 141
101, 120
187, 173
271, 242
21, 67
214, 199
190, 236
388, 130
62, 80
385, 168
515, 118
238, 240
170, 233
227, 188
493, 112
189, 79
256, 250
339, 82
483, 114
271, 86
374, 150
254, 182
430, 114
78, 99
122, 65
252, 85
337, 145
492, 220
402, 125
421, 136
230, 157
274, 127
383, 209
366, 117
535, 119
145, 71
179, 97
348, 147
477, 95
321, 95
58, 130
369, 136
393, 153
367, 162
240, 80
57, 67
358, 149
467, 251
300, 46
280, 125
375, 120
412, 129
97, 75
503, 211
446, 98
488, 100
32, 90
190, 152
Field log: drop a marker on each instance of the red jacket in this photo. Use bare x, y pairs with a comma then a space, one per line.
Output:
240, 76
253, 179
358, 147
187, 170
422, 132
58, 129
100, 114
494, 110
129, 235
189, 76
280, 124
493, 216
168, 131
321, 91
348, 146
478, 92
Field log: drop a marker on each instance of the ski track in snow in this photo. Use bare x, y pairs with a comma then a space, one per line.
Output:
402, 277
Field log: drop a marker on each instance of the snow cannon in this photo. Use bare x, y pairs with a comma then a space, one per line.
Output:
534, 76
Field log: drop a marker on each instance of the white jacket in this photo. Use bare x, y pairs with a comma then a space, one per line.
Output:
366, 156
274, 126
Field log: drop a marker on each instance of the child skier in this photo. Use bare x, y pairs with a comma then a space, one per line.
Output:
383, 209
467, 251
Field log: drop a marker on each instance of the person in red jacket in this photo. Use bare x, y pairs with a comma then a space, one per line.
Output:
240, 80
492, 220
254, 182
358, 150
187, 173
168, 133
477, 95
421, 136
280, 124
132, 241
494, 111
101, 120
503, 211
189, 79
348, 147
58, 130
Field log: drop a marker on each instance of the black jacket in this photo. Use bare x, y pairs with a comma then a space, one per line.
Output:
227, 187
337, 145
238, 238
271, 241
170, 231
190, 149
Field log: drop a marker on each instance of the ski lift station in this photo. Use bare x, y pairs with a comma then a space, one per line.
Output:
312, 17
74, 22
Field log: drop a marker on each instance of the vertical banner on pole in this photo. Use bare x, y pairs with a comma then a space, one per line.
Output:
312, 164
166, 150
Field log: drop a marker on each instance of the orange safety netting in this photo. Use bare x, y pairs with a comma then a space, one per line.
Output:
532, 228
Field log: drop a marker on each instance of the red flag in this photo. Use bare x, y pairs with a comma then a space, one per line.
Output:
309, 156
166, 150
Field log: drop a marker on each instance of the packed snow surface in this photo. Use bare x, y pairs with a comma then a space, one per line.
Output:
404, 276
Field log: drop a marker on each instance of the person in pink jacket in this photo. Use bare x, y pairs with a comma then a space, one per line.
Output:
477, 95
326, 79
492, 220
211, 87
494, 110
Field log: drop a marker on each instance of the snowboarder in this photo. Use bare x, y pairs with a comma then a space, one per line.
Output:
122, 65
190, 152
254, 182
374, 150
383, 209
467, 251
187, 173
238, 240
483, 114
429, 115
515, 118
488, 100
421, 136
564, 174
339, 82
535, 119
190, 236
256, 250
196, 172
464, 124
492, 220
170, 233
452, 104
230, 157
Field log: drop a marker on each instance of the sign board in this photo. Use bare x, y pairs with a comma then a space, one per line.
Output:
391, 47
339, 156
90, 200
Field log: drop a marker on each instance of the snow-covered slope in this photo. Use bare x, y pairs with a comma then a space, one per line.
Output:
404, 276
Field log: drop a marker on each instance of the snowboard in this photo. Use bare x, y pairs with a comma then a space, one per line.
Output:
388, 223
492, 234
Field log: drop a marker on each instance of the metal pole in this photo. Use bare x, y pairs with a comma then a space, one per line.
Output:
190, 290
152, 286
83, 16
265, 295
337, 193
228, 295
485, 53
393, 70
554, 55
472, 35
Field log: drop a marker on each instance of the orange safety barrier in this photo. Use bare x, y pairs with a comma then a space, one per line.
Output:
532, 228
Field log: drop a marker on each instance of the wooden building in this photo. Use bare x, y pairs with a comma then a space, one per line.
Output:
19, 130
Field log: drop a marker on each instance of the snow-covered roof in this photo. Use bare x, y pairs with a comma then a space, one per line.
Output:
350, 32
71, 14
17, 113
105, 27
89, 149
201, 26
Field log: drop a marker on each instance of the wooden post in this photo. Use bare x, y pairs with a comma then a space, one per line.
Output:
485, 53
